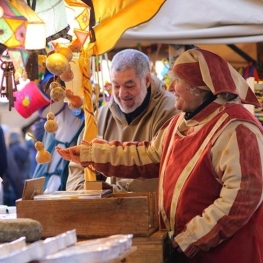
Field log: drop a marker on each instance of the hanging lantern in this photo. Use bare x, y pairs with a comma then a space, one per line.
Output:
78, 14
53, 13
12, 26
36, 28
35, 41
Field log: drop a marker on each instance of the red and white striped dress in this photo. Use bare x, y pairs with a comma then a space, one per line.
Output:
211, 180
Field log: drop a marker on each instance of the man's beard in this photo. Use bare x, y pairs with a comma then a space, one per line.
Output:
137, 102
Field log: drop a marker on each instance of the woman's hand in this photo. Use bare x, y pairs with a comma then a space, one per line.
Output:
70, 154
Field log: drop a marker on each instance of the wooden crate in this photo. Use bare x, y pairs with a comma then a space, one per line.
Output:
127, 213
152, 249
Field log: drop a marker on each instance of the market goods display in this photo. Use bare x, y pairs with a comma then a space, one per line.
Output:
10, 229
51, 125
56, 63
66, 52
42, 156
67, 75
64, 248
75, 102
57, 93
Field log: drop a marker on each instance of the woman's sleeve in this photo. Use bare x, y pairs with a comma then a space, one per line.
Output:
127, 159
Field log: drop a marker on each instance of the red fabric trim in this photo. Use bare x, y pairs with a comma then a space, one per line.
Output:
190, 72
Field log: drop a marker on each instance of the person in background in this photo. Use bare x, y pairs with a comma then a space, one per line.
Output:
138, 108
209, 160
3, 158
18, 169
3, 161
56, 171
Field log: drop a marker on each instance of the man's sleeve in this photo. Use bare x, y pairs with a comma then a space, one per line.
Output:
75, 179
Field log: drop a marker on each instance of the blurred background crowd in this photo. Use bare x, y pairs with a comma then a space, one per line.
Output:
17, 159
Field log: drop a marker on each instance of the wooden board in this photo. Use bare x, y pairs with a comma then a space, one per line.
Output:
33, 187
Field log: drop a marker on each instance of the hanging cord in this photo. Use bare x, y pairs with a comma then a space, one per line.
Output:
102, 80
95, 83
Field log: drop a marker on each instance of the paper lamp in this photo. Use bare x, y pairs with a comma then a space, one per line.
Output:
78, 15
36, 28
35, 36
12, 26
53, 13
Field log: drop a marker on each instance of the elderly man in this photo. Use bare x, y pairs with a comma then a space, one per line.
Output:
209, 159
138, 108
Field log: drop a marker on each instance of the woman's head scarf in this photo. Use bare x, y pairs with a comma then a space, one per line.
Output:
208, 71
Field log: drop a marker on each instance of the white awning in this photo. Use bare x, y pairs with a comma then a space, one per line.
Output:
200, 22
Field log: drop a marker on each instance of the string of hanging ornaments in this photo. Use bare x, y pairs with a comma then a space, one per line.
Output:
58, 63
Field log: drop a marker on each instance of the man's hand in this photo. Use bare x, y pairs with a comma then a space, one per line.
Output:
70, 154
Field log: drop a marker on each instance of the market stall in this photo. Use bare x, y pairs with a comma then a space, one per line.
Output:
97, 212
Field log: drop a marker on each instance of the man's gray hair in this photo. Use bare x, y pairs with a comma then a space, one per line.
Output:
131, 58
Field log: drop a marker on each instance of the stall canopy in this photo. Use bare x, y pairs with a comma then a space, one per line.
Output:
200, 22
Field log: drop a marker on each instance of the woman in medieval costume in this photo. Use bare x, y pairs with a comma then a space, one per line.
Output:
209, 159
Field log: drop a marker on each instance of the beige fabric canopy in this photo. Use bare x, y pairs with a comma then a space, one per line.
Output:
201, 22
